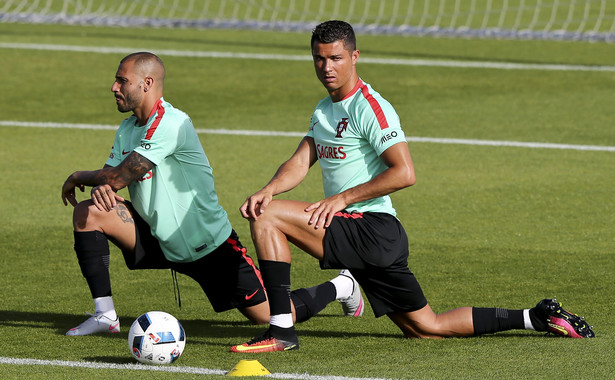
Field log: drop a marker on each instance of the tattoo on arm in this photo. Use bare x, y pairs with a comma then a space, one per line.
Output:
137, 165
132, 168
124, 214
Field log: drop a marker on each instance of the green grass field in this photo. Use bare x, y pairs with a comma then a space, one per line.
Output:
488, 225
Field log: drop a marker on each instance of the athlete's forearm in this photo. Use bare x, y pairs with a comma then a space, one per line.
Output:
400, 174
389, 181
133, 167
292, 172
288, 176
94, 178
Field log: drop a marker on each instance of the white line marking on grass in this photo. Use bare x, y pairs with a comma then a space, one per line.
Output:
97, 365
288, 57
519, 144
242, 132
28, 124
170, 369
485, 64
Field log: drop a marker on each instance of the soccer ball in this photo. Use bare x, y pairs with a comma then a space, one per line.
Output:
156, 337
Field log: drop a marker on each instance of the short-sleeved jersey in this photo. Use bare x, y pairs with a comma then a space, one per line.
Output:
177, 197
350, 135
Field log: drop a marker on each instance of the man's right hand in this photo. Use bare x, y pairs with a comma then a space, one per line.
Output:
255, 204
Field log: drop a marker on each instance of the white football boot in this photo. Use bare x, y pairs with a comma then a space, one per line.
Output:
353, 306
96, 324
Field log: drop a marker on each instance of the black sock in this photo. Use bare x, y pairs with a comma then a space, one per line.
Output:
539, 319
310, 301
276, 279
92, 250
491, 320
285, 333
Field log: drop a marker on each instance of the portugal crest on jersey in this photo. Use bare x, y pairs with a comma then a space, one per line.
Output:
341, 127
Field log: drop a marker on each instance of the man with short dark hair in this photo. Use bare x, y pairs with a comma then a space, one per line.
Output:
356, 137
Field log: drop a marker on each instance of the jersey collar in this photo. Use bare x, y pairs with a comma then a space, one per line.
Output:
155, 108
354, 90
152, 112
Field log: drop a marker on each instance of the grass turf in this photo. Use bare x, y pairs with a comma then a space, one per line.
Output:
488, 226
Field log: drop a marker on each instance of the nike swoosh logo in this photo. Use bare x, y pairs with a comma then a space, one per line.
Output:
124, 153
112, 327
249, 296
263, 347
558, 328
260, 347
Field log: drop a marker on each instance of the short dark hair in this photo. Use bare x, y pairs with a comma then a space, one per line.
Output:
149, 60
335, 30
143, 57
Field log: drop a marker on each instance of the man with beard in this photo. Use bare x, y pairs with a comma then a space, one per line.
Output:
174, 220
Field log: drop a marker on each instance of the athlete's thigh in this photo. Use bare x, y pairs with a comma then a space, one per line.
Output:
122, 229
290, 218
117, 224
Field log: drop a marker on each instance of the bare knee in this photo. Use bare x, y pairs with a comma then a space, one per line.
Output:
268, 218
267, 222
87, 217
83, 214
419, 324
424, 323
418, 331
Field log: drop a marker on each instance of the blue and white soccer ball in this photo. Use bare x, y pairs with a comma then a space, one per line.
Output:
156, 337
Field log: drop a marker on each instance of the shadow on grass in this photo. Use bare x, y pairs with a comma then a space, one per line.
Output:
197, 328
203, 332
201, 328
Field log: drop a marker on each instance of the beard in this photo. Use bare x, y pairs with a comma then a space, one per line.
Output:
130, 102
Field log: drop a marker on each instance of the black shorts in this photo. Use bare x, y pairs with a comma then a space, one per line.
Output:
228, 276
374, 247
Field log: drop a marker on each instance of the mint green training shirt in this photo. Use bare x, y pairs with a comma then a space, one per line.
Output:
177, 197
350, 135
